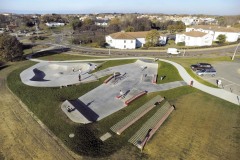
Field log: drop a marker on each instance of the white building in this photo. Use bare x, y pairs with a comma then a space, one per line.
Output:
232, 34
201, 35
129, 40
54, 24
194, 38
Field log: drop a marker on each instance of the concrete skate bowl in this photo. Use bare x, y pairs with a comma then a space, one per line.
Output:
54, 74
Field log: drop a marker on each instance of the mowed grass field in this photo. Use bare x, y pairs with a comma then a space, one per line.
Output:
202, 127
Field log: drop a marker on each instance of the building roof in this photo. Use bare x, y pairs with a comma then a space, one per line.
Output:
216, 28
195, 34
128, 35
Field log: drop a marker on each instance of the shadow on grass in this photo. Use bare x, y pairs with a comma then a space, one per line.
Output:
4, 66
51, 52
87, 144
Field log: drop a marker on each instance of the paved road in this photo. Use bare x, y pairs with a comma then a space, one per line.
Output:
21, 136
225, 50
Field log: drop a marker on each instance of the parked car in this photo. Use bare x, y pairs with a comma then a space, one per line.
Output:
200, 66
173, 51
203, 72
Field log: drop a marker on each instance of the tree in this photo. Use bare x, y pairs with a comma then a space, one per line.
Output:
221, 39
129, 29
10, 48
76, 24
152, 38
141, 24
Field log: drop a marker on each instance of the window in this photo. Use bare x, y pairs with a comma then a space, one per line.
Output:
124, 41
131, 41
124, 46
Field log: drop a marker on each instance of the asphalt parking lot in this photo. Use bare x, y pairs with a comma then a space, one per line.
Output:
229, 74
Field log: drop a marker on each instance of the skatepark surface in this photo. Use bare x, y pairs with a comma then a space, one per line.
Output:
102, 101
53, 74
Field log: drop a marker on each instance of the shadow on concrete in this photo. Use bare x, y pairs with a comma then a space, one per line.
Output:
83, 108
39, 75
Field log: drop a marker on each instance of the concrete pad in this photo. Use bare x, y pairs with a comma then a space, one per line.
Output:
105, 136
48, 74
102, 102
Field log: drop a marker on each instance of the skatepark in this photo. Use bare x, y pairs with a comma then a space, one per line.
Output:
134, 80
51, 74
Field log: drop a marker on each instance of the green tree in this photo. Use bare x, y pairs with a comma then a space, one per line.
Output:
76, 24
221, 39
10, 48
152, 38
129, 29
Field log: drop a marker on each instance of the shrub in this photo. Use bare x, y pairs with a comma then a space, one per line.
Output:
181, 43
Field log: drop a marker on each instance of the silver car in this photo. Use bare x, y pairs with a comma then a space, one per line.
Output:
203, 72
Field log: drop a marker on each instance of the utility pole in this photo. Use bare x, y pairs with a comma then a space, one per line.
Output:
235, 51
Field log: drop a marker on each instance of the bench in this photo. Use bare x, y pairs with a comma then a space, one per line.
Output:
136, 115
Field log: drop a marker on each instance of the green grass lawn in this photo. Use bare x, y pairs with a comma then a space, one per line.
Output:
168, 70
53, 56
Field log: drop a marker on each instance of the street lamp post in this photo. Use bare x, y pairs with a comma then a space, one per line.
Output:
235, 51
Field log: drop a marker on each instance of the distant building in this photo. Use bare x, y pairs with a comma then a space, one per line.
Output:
129, 40
54, 24
99, 22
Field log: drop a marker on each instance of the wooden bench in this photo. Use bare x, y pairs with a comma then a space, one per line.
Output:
147, 130
136, 115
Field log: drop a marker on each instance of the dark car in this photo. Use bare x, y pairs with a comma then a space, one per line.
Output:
210, 71
200, 66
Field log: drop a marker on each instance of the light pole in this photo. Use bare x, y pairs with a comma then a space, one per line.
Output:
235, 51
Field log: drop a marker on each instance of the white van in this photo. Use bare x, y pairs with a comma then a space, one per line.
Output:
173, 51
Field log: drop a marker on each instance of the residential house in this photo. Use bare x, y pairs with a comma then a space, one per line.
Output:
129, 40
201, 35
232, 34
99, 22
54, 24
194, 38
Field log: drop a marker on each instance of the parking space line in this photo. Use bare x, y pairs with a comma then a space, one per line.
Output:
231, 82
